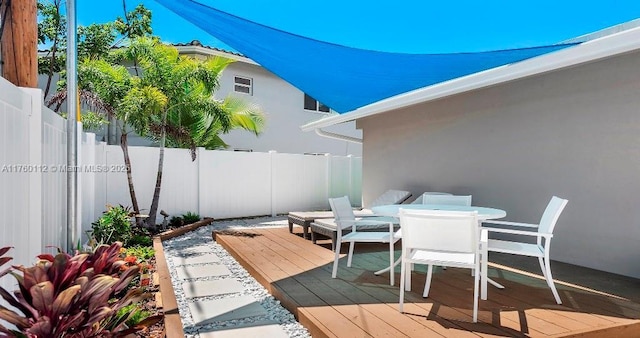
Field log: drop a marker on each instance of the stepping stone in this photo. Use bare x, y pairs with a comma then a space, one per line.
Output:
206, 258
224, 309
213, 270
211, 287
199, 249
260, 329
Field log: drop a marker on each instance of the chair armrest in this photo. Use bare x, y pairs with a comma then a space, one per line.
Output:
347, 223
484, 236
520, 232
516, 224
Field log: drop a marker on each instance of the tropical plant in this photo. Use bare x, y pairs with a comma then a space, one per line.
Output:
73, 296
114, 225
190, 217
4, 260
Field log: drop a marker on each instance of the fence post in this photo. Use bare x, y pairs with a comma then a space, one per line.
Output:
328, 193
350, 173
271, 185
34, 230
199, 153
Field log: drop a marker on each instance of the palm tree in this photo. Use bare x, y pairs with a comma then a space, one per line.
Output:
190, 117
170, 101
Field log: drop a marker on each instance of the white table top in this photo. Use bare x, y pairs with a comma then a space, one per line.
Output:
483, 212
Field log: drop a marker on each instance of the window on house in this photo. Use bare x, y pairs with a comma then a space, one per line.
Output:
243, 85
312, 104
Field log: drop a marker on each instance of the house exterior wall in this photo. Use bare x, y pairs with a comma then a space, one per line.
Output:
283, 106
573, 133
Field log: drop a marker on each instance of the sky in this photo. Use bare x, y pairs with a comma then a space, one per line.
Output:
410, 26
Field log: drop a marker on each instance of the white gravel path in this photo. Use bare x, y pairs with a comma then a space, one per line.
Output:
192, 243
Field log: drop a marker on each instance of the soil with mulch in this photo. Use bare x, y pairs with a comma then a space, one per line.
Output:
149, 305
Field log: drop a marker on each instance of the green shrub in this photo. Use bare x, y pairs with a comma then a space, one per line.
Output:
176, 222
139, 237
134, 313
144, 253
190, 217
113, 226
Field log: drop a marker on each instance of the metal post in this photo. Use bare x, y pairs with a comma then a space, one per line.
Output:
72, 141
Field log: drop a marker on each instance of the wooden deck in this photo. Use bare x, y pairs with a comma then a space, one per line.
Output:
360, 304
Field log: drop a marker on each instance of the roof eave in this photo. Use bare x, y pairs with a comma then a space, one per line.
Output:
607, 46
192, 49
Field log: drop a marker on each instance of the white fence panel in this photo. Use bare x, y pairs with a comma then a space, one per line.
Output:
234, 184
54, 182
179, 190
340, 174
300, 182
225, 184
20, 174
15, 108
356, 181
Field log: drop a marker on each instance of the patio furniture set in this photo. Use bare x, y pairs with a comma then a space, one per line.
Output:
438, 229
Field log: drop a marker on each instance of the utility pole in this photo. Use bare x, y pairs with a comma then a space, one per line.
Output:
73, 222
19, 20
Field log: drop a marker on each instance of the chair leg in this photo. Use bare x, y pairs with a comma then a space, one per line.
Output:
335, 260
549, 279
476, 281
544, 270
351, 246
427, 282
403, 272
392, 278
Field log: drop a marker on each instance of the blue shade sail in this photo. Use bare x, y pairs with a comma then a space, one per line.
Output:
341, 77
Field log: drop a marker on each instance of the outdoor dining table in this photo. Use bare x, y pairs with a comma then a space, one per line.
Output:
484, 213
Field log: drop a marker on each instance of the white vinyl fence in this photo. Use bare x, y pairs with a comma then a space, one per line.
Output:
218, 184
224, 184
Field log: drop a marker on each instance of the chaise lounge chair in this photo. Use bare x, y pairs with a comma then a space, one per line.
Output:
305, 218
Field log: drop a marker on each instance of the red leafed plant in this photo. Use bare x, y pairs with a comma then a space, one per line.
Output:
73, 296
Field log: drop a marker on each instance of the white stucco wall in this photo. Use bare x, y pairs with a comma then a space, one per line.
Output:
283, 105
573, 133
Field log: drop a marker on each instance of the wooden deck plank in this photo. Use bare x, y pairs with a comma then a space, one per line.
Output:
361, 304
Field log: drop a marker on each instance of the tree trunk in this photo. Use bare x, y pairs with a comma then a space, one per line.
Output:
127, 162
20, 42
153, 210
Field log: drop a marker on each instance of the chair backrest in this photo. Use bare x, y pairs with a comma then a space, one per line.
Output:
448, 199
420, 199
551, 214
439, 230
342, 210
391, 197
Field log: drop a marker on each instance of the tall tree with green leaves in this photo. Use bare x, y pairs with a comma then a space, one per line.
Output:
170, 101
94, 41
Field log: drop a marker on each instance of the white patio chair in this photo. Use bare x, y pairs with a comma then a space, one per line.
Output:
391, 196
542, 231
344, 219
464, 200
420, 199
437, 237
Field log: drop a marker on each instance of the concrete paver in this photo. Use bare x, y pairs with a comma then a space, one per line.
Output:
215, 270
224, 309
206, 258
212, 288
269, 329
